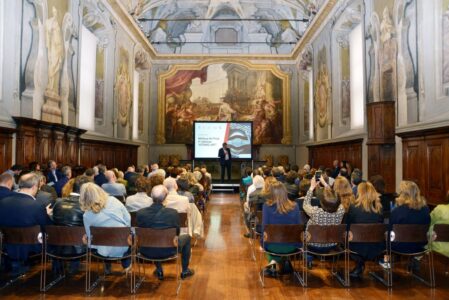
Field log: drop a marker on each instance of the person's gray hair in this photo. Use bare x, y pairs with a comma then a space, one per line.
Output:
66, 170
28, 181
158, 193
258, 182
170, 184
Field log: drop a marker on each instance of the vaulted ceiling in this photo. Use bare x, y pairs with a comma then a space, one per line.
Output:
223, 26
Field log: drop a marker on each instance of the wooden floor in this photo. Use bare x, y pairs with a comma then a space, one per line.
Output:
225, 270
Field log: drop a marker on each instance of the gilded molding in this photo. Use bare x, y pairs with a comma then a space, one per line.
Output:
285, 77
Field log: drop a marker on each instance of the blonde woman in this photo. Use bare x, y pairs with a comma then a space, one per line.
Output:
343, 189
411, 208
102, 210
279, 210
367, 208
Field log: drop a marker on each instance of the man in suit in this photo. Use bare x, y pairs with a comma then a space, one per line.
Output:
52, 173
158, 216
15, 171
100, 179
66, 175
6, 184
22, 210
224, 155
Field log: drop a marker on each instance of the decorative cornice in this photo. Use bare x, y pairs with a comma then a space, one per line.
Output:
120, 12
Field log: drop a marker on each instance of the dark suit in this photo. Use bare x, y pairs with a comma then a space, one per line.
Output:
158, 216
21, 210
60, 185
225, 163
44, 198
52, 178
5, 192
100, 179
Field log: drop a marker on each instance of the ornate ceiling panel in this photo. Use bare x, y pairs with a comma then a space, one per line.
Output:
223, 26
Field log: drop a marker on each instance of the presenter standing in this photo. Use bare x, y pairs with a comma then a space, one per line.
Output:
224, 154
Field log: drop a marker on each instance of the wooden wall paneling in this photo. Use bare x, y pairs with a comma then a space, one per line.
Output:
426, 161
59, 150
45, 140
435, 175
325, 154
86, 155
27, 153
6, 135
72, 147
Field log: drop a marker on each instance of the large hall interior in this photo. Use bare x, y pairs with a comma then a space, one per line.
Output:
234, 149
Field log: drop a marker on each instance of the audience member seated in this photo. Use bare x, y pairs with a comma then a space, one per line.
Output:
330, 212
328, 172
34, 166
129, 172
278, 173
247, 180
101, 179
387, 199
53, 175
253, 193
15, 171
43, 197
291, 186
67, 212
112, 187
183, 188
140, 199
198, 176
343, 189
90, 173
6, 185
279, 210
440, 215
102, 210
356, 179
366, 209
120, 177
158, 216
173, 199
66, 172
411, 209
335, 169
68, 188
304, 187
22, 210
155, 170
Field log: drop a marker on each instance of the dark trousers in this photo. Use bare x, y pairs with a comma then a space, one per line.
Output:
183, 248
226, 166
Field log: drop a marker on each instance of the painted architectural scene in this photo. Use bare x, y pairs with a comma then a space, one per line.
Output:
224, 92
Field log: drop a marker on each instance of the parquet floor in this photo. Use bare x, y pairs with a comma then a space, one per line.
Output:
225, 270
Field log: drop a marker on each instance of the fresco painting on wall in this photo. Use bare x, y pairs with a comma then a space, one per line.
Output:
322, 89
345, 86
123, 87
99, 83
224, 92
141, 97
445, 39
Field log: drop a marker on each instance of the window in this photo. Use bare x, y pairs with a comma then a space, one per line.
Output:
87, 79
357, 77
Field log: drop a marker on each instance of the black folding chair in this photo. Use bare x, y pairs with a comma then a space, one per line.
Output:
56, 237
155, 238
286, 234
107, 236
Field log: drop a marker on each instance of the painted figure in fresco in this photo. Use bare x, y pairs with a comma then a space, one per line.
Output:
55, 51
225, 112
123, 90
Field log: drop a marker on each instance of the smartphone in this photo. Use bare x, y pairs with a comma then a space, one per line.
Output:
318, 175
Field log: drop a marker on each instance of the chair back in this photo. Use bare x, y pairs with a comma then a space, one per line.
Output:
111, 236
64, 235
277, 233
183, 222
303, 216
326, 234
409, 233
21, 235
133, 218
367, 233
440, 233
121, 198
158, 238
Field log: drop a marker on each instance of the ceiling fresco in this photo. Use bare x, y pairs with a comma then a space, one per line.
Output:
223, 26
